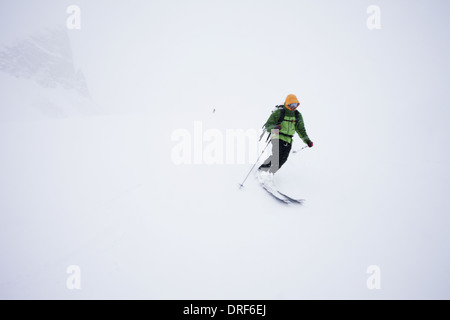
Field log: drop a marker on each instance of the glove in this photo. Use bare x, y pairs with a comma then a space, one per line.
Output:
310, 143
276, 129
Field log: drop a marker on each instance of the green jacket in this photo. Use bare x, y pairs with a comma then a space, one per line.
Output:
288, 126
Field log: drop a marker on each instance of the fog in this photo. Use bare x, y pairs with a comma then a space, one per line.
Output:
95, 204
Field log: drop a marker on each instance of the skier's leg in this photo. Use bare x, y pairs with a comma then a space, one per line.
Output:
266, 164
284, 148
273, 158
275, 164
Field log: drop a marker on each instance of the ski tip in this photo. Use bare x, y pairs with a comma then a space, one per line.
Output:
294, 202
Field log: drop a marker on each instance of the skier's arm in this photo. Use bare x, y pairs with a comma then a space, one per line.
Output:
300, 128
272, 122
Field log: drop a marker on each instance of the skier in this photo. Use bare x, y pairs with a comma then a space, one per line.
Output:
283, 123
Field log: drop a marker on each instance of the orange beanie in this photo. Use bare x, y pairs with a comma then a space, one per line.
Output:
291, 99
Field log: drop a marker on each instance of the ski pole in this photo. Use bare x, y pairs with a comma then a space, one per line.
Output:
296, 151
242, 184
262, 134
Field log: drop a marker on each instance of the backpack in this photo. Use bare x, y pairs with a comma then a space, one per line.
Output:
281, 119
283, 113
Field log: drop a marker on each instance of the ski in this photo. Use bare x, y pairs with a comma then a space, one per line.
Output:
270, 187
275, 194
298, 201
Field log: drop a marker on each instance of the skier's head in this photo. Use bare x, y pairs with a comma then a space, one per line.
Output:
291, 102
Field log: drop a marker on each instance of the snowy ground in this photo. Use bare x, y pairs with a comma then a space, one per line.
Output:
94, 184
102, 194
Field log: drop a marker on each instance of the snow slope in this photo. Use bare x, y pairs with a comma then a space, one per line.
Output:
93, 182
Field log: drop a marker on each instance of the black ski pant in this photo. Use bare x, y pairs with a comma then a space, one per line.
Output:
280, 153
